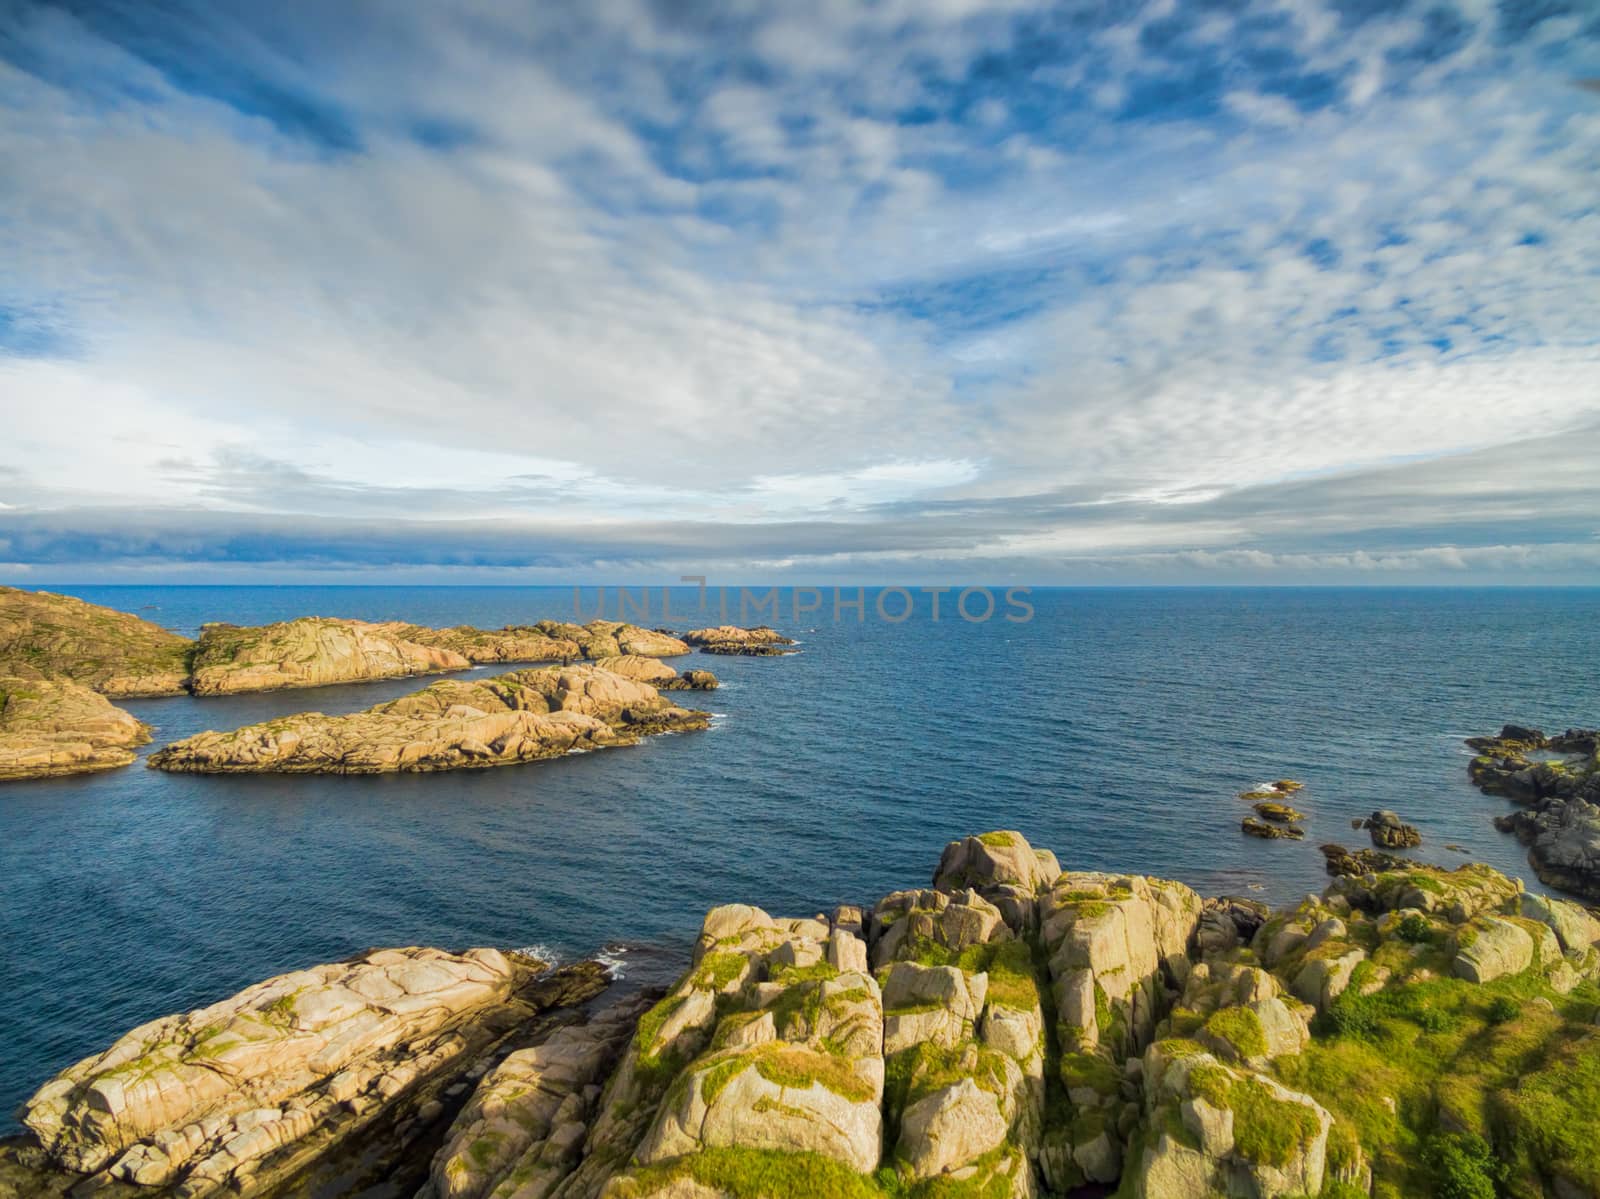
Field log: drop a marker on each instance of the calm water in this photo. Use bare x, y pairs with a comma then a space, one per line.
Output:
1115, 728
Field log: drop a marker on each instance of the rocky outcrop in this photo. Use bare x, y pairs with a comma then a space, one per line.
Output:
54, 727
1341, 861
525, 716
1389, 831
117, 654
1558, 780
731, 639
1219, 1130
1012, 1031
1116, 948
514, 643
657, 673
240, 1094
609, 638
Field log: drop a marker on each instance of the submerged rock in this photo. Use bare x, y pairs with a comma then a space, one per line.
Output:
454, 725
43, 635
54, 727
1341, 861
1271, 830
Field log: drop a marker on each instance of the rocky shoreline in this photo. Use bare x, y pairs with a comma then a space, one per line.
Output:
1013, 1029
1556, 779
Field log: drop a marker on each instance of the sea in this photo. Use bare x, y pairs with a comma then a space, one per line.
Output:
1114, 726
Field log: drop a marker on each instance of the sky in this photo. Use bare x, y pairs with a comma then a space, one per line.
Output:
1181, 292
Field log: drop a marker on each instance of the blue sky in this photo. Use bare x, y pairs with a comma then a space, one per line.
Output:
944, 290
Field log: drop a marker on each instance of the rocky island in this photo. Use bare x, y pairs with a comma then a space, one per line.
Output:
1557, 781
1012, 1030
316, 650
68, 650
760, 641
524, 716
52, 727
49, 636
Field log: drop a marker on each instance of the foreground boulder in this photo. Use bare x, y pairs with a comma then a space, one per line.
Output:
525, 716
53, 727
1014, 1030
233, 1095
117, 654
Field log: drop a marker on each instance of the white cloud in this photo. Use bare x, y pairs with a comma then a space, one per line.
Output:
705, 264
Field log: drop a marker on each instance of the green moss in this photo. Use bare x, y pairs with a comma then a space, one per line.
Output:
1266, 1129
753, 1174
717, 970
800, 1067
1241, 1028
719, 1076
999, 840
1078, 1070
651, 1022
782, 972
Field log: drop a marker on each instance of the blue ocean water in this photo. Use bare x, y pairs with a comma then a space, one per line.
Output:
1115, 727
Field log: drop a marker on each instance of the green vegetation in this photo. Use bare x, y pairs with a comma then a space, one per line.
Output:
1411, 1065
754, 1174
1241, 1028
1266, 1129
998, 840
717, 970
1463, 1166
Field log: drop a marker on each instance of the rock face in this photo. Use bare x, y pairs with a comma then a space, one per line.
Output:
58, 637
311, 652
453, 725
1558, 780
1014, 1030
241, 1092
53, 727
731, 639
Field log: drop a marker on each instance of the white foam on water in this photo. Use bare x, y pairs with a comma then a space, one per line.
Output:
613, 958
544, 953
